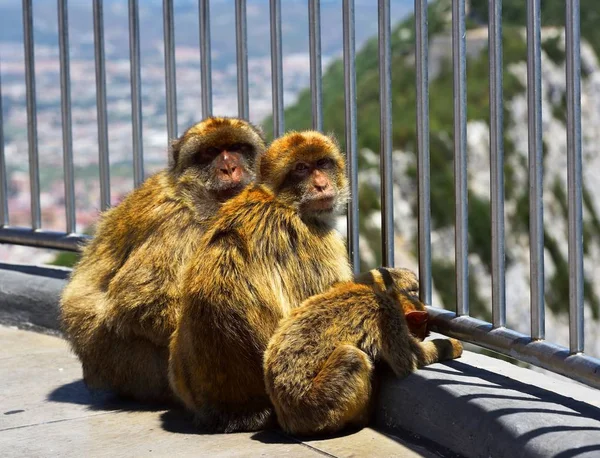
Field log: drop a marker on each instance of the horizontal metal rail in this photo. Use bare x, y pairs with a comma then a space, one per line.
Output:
541, 353
42, 239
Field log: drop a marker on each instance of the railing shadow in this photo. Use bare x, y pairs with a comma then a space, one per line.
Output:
494, 412
497, 381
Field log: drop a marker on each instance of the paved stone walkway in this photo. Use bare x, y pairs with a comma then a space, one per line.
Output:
45, 410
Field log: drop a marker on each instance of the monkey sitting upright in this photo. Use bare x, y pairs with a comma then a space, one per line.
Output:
266, 251
121, 304
319, 364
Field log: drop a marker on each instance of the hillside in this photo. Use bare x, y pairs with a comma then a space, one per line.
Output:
441, 145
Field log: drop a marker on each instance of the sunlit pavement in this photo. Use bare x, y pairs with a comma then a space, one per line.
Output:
46, 410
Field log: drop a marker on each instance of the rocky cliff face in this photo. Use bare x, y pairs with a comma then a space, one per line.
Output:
516, 205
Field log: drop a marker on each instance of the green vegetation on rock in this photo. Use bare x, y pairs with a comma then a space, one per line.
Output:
441, 121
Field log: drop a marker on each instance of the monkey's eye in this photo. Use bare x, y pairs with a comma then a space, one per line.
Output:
212, 151
235, 147
325, 163
301, 167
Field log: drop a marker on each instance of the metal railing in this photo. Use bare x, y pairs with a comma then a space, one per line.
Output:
495, 336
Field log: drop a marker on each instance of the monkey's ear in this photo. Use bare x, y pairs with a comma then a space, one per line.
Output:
417, 317
174, 151
336, 142
259, 131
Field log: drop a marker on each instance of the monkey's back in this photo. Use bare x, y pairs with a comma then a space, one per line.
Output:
347, 314
124, 265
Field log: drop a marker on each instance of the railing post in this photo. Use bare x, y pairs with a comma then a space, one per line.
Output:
314, 43
461, 235
32, 136
423, 187
385, 122
65, 86
536, 210
574, 181
241, 37
276, 68
136, 93
351, 141
170, 75
101, 105
497, 164
205, 58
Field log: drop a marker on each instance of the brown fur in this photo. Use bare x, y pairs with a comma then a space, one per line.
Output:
319, 364
267, 250
121, 304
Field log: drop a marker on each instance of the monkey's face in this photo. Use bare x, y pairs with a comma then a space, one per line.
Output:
403, 286
307, 171
223, 169
218, 155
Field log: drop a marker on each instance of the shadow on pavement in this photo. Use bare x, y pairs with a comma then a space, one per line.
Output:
78, 393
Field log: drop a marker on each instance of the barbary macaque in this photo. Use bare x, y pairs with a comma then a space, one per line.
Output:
267, 250
319, 364
121, 304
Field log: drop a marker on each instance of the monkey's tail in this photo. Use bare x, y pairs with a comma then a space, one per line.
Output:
339, 396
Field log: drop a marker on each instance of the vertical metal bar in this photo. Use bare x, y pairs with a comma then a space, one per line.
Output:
422, 83
32, 138
3, 173
576, 274
351, 141
497, 164
385, 123
205, 75
170, 78
136, 93
276, 68
101, 105
314, 43
536, 216
65, 86
461, 234
241, 36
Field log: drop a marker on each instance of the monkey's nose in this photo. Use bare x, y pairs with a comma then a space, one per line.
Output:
228, 169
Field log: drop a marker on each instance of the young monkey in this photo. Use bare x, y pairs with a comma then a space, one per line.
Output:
319, 364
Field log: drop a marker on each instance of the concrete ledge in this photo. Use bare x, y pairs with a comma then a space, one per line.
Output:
475, 406
29, 296
483, 407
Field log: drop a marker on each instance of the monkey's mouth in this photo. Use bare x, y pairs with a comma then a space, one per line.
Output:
227, 190
321, 204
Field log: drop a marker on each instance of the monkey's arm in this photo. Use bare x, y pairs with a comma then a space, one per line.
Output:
144, 294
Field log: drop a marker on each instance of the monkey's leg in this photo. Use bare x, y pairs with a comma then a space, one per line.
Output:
437, 350
130, 367
339, 395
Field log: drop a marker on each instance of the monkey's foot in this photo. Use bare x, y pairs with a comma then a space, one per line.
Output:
212, 419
